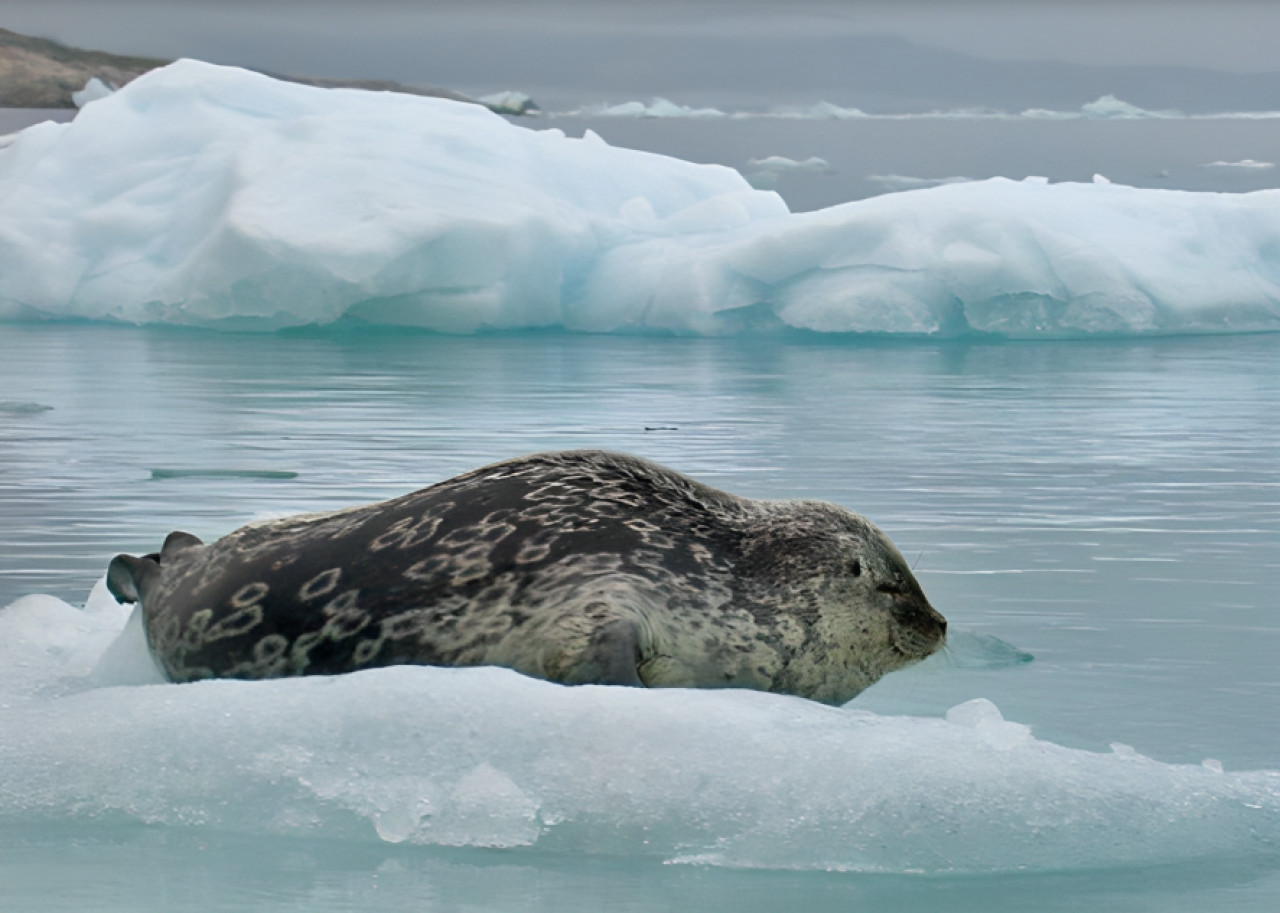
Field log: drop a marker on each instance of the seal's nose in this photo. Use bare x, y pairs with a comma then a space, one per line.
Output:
922, 617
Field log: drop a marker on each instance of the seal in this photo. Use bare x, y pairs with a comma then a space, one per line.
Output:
575, 567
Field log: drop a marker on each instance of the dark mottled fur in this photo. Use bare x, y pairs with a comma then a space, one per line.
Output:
577, 567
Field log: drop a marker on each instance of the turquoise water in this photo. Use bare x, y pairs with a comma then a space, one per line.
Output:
1112, 508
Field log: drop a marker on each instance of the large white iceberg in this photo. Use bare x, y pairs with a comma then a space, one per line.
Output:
207, 195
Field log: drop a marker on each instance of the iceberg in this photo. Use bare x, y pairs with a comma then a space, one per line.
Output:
211, 196
94, 89
780, 164
659, 107
909, 182
509, 102
1108, 106
823, 110
488, 758
764, 173
1246, 164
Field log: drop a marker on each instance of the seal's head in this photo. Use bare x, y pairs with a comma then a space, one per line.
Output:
862, 612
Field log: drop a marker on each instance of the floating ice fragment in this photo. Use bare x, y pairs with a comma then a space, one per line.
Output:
907, 182
823, 110
780, 164
985, 719
509, 102
1108, 106
1247, 164
20, 408
971, 650
223, 474
658, 107
94, 89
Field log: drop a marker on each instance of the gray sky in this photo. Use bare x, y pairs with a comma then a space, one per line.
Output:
616, 46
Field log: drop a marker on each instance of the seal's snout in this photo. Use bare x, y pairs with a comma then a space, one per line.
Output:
926, 627
940, 626
936, 620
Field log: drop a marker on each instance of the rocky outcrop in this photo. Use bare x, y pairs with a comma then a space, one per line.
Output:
39, 73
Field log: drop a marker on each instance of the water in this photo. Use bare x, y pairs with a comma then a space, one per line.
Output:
1112, 508
1168, 154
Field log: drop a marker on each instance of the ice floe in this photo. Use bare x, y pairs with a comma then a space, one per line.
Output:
486, 757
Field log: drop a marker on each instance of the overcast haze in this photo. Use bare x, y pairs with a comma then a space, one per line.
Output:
585, 50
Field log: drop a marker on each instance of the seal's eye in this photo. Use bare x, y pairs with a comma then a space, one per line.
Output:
855, 568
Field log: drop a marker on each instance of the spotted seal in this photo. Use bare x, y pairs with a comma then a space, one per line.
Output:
576, 567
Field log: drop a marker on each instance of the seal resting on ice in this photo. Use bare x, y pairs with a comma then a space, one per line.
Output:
576, 567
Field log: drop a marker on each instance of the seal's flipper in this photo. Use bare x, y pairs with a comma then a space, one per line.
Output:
611, 658
176, 542
129, 578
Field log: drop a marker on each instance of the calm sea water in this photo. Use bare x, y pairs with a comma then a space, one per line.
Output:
1161, 154
1112, 508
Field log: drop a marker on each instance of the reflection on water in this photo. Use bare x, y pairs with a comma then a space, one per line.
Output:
138, 869
1109, 507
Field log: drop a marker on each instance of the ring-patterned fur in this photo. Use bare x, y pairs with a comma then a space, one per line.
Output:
576, 567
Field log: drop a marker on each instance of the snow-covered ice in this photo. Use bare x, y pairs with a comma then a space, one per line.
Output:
486, 757
206, 195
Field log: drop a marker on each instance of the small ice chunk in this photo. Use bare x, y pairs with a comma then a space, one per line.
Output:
908, 182
823, 110
985, 719
1245, 164
509, 102
975, 713
658, 107
1109, 107
970, 650
780, 164
94, 89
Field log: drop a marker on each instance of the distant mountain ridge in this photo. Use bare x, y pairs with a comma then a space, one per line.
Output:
894, 74
880, 74
40, 73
